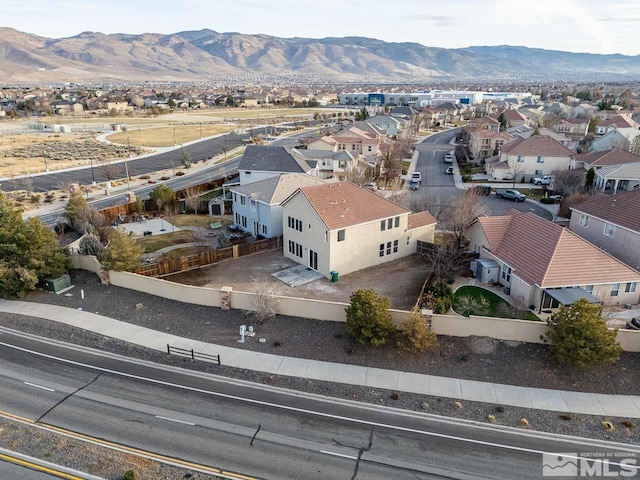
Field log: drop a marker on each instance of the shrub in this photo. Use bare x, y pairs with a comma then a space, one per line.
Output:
415, 336
439, 297
122, 254
90, 245
144, 177
547, 200
130, 475
580, 337
179, 173
368, 318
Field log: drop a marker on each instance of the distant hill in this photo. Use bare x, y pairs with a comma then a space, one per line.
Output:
206, 54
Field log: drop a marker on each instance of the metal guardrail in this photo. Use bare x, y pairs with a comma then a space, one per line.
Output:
193, 355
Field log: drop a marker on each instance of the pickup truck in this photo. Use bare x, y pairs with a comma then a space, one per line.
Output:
514, 195
546, 180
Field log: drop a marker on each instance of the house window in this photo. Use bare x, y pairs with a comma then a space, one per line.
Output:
615, 289
584, 219
299, 225
264, 229
243, 200
299, 250
235, 197
476, 248
342, 164
538, 172
408, 240
609, 230
369, 148
247, 175
353, 146
589, 289
383, 225
341, 235
520, 158
292, 247
397, 222
630, 287
388, 248
237, 219
395, 246
390, 224
326, 237
540, 159
506, 273
382, 249
244, 221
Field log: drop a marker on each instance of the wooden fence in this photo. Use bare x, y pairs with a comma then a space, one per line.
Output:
169, 266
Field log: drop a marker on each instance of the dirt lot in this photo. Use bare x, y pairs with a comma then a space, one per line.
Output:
163, 136
400, 280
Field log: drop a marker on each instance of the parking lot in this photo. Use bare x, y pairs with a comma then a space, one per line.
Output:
400, 280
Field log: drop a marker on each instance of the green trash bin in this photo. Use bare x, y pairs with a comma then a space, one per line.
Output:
334, 276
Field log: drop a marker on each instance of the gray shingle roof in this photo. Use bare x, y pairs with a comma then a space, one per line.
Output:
272, 159
274, 190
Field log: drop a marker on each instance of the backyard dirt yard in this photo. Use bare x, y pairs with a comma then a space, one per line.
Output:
26, 153
163, 136
400, 280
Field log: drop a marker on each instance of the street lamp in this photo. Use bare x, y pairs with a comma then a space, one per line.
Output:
126, 164
201, 135
174, 137
93, 177
44, 157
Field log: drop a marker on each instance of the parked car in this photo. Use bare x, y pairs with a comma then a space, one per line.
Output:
371, 186
509, 194
414, 185
449, 171
416, 176
546, 180
482, 190
448, 158
633, 324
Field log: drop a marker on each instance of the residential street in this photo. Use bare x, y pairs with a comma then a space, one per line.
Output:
212, 421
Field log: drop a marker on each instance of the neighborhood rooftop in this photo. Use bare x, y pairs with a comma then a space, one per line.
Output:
615, 156
545, 254
538, 145
274, 190
344, 204
271, 159
622, 209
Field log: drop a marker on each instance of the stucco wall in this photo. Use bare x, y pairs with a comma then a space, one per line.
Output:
86, 262
530, 165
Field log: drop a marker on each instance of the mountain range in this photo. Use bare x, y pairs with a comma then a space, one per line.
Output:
206, 55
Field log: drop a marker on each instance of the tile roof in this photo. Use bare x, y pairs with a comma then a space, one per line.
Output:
344, 204
543, 253
542, 145
576, 121
622, 209
619, 121
271, 159
615, 156
274, 190
420, 219
628, 171
513, 115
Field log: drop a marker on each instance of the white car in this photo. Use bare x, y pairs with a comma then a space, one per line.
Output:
416, 176
546, 180
448, 158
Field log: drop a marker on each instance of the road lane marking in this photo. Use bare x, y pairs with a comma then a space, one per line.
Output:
39, 386
39, 468
326, 415
175, 420
342, 455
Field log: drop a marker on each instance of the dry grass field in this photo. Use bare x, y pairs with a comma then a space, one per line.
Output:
26, 153
163, 136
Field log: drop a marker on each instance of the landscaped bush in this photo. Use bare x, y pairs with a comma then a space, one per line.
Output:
547, 201
439, 297
130, 475
415, 335
368, 318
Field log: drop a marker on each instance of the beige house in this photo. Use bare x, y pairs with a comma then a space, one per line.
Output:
611, 223
576, 128
531, 157
358, 142
344, 228
118, 105
514, 118
485, 143
606, 158
543, 265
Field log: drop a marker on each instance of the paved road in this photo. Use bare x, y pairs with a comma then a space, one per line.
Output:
211, 421
436, 182
10, 471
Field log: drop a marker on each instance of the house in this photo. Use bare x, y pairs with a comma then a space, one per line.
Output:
543, 265
618, 178
249, 102
118, 106
355, 140
484, 123
257, 206
558, 137
485, 143
259, 162
391, 126
613, 224
330, 164
608, 114
619, 121
521, 132
514, 118
606, 158
65, 107
583, 110
340, 227
617, 138
576, 128
530, 157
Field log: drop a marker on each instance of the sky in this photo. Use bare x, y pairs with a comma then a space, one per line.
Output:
594, 26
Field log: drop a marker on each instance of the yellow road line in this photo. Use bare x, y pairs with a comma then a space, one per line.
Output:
127, 449
39, 468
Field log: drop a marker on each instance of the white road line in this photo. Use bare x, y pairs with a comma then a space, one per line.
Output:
338, 455
327, 415
174, 420
39, 386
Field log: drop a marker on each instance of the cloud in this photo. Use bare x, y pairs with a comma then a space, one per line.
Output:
620, 19
438, 20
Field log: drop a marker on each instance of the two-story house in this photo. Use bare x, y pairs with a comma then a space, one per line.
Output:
531, 157
618, 178
616, 138
619, 121
391, 126
576, 128
514, 118
543, 265
344, 228
611, 223
257, 206
488, 142
356, 141
263, 161
606, 158
330, 164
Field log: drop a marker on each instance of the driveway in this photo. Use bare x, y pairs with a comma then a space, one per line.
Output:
400, 280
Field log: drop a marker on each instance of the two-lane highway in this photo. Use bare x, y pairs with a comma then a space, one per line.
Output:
259, 431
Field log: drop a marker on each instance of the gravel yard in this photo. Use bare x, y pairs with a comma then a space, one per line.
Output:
589, 426
472, 358
407, 277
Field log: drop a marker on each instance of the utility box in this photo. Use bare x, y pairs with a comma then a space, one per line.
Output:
56, 284
485, 270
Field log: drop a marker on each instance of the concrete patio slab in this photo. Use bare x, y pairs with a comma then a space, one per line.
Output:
157, 226
298, 275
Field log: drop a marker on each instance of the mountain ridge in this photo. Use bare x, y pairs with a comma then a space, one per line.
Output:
207, 54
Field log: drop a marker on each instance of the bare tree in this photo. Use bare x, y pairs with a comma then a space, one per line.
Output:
436, 203
265, 301
110, 171
568, 182
27, 184
192, 198
475, 143
446, 258
89, 219
359, 173
464, 209
515, 168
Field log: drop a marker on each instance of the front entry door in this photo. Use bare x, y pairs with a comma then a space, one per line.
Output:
313, 259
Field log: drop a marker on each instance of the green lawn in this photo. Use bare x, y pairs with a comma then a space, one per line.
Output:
156, 242
467, 302
201, 220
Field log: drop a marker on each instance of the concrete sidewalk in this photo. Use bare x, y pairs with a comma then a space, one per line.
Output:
539, 398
